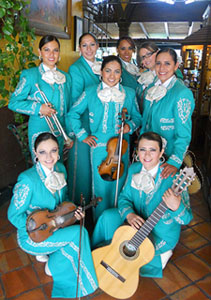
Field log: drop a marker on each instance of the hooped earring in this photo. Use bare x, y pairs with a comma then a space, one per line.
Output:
58, 157
59, 58
40, 57
101, 78
162, 159
36, 159
120, 81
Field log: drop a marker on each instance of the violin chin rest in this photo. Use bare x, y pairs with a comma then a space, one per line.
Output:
107, 177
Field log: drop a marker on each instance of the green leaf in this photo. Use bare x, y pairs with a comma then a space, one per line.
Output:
2, 103
2, 12
2, 84
7, 29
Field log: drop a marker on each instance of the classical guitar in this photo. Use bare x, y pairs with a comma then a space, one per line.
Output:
190, 161
117, 265
42, 223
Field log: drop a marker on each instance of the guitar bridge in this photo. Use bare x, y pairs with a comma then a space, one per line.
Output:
112, 271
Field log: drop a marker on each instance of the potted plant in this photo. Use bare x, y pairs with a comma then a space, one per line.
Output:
16, 54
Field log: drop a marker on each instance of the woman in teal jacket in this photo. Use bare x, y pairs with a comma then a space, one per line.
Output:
144, 189
55, 84
44, 187
84, 72
168, 107
130, 72
104, 103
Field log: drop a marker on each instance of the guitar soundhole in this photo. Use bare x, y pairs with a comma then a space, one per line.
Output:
128, 251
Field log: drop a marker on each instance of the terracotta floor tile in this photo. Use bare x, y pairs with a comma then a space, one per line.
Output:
8, 228
8, 242
189, 293
205, 285
204, 229
202, 210
39, 267
148, 289
196, 219
33, 295
179, 251
19, 281
192, 266
205, 253
13, 259
172, 280
191, 239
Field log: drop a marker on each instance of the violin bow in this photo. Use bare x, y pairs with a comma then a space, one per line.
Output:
79, 251
124, 112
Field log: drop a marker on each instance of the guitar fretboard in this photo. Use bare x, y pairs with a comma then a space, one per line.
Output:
147, 227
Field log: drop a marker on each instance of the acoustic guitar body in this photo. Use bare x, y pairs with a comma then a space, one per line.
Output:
118, 272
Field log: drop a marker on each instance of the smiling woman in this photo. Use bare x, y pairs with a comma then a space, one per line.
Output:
55, 85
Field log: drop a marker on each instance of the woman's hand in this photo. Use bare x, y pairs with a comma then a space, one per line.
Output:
126, 128
168, 170
90, 140
135, 221
47, 110
79, 214
68, 145
171, 200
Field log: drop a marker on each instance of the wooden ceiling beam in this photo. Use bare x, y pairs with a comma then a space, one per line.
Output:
144, 30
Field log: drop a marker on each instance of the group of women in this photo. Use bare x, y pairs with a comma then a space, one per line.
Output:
97, 103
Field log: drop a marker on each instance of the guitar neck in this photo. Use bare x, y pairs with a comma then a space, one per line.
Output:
147, 227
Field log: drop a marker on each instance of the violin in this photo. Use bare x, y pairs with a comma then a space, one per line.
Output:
109, 166
42, 223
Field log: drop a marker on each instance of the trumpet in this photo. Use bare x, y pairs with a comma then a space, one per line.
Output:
53, 124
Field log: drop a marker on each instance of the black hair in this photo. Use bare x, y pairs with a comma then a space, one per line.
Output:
110, 58
44, 137
128, 39
170, 51
151, 46
85, 34
46, 39
152, 136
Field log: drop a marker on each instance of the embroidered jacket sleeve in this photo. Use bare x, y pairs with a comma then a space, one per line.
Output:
125, 199
74, 117
135, 120
22, 194
23, 100
69, 103
78, 85
183, 110
183, 215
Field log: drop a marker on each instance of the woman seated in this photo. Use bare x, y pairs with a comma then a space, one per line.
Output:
44, 187
144, 189
105, 102
167, 110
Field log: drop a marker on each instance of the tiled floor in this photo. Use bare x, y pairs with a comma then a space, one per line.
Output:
186, 277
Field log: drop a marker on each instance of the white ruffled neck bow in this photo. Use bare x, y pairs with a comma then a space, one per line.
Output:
143, 181
146, 78
132, 69
156, 93
55, 181
111, 94
53, 76
96, 67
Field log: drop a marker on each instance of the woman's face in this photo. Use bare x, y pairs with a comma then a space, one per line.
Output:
47, 153
149, 153
111, 73
125, 50
165, 66
50, 54
88, 47
147, 58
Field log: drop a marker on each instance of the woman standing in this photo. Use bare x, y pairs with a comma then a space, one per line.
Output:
84, 73
144, 189
125, 49
168, 107
104, 103
44, 187
147, 55
54, 83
